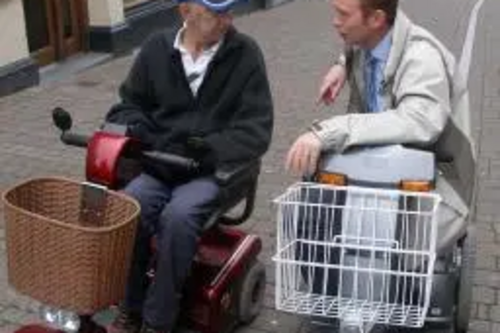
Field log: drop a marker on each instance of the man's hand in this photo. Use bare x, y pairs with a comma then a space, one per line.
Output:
333, 82
303, 156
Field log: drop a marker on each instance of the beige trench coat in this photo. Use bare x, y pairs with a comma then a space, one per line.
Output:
426, 105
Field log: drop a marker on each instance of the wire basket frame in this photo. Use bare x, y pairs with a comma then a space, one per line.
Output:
352, 251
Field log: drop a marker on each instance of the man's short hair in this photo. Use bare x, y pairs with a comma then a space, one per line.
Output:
390, 7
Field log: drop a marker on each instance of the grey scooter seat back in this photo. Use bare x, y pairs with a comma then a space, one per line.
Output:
382, 166
375, 167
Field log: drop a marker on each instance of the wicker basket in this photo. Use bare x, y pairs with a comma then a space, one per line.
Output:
69, 244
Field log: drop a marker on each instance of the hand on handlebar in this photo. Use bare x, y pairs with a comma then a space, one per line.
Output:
304, 154
202, 153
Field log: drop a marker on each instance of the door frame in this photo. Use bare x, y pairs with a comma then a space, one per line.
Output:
61, 47
48, 53
79, 22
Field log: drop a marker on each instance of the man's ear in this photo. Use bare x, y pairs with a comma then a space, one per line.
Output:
379, 18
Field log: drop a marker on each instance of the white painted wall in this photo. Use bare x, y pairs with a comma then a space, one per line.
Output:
105, 13
13, 40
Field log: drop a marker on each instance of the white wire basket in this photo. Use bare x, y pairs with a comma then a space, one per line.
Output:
345, 252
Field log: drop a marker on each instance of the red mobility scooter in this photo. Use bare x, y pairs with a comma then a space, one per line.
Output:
227, 283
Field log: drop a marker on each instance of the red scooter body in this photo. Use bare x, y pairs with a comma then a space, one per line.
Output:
212, 301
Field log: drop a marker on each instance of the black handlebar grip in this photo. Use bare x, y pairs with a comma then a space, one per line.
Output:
173, 160
75, 139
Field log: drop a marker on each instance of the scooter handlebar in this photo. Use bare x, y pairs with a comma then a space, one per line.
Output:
82, 140
62, 119
75, 139
171, 159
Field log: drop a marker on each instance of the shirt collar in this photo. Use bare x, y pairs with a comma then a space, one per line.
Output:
178, 39
383, 48
179, 46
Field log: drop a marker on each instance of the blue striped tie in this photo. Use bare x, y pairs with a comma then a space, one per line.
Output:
371, 84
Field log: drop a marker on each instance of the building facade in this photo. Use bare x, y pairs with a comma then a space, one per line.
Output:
36, 33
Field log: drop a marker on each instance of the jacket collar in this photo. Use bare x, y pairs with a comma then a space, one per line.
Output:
232, 41
401, 30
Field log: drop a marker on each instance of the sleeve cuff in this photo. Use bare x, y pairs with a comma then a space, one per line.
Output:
341, 60
319, 131
330, 134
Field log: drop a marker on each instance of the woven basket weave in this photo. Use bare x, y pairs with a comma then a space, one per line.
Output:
59, 257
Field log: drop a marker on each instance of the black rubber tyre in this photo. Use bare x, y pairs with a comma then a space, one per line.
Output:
252, 293
465, 282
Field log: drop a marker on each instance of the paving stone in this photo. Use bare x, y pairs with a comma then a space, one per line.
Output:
13, 315
495, 313
273, 321
498, 264
483, 312
486, 262
487, 278
6, 327
495, 327
484, 295
480, 326
250, 329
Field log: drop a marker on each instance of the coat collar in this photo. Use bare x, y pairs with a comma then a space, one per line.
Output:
232, 40
401, 31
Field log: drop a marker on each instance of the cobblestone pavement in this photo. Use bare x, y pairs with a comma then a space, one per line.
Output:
299, 46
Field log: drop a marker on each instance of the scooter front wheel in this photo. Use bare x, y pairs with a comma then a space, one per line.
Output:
252, 292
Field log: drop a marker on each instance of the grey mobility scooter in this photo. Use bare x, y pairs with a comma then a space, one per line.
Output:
356, 247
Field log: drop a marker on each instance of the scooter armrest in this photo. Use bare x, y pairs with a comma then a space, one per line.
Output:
230, 176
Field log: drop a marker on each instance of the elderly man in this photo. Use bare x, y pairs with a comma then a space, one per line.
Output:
405, 89
205, 84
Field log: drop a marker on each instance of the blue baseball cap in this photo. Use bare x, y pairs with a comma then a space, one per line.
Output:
218, 6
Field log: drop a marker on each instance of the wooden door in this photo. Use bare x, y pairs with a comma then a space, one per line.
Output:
69, 26
55, 28
40, 30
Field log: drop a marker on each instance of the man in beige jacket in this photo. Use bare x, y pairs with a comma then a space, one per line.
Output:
404, 89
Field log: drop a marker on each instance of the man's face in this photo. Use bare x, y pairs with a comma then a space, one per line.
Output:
208, 25
352, 23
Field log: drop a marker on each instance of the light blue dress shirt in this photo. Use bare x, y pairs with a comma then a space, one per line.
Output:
381, 54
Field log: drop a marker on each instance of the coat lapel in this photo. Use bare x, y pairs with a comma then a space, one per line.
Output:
358, 82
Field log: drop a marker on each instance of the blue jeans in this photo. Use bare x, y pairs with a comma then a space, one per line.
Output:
175, 214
